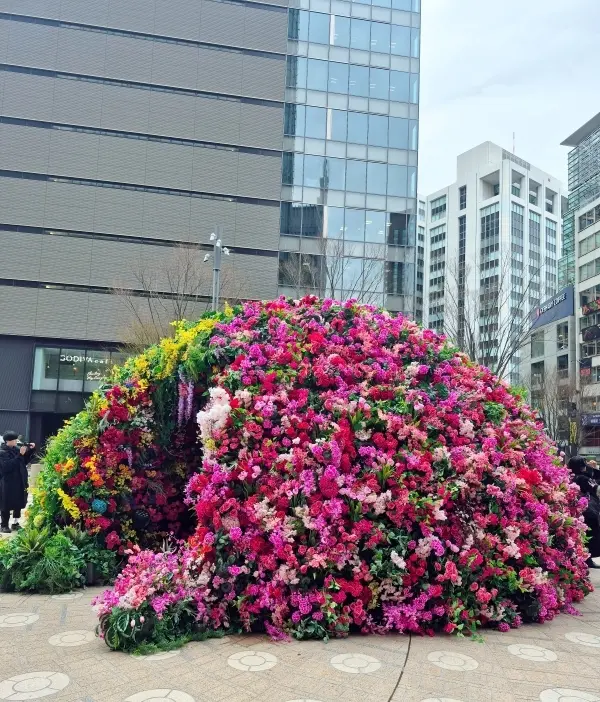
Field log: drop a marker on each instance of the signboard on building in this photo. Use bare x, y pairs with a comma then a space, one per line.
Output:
590, 420
559, 307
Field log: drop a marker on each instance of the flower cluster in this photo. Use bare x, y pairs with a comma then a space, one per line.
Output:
120, 467
360, 474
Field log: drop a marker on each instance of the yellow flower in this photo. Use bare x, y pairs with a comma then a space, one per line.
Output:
228, 309
68, 504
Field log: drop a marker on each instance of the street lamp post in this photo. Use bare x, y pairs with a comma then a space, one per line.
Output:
218, 251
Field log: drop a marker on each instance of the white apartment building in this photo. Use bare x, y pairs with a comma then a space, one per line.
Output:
492, 243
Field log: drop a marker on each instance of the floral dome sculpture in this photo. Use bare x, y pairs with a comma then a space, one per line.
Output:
325, 468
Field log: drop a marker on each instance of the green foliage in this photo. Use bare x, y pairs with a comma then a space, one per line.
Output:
38, 560
494, 412
142, 632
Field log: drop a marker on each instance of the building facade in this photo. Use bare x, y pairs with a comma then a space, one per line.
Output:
587, 274
491, 246
584, 186
549, 364
130, 130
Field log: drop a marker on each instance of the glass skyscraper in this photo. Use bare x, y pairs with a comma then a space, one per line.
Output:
584, 186
349, 174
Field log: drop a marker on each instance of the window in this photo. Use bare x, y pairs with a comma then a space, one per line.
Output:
359, 81
316, 77
438, 208
537, 372
401, 229
71, 369
338, 77
380, 84
397, 181
376, 226
589, 218
294, 118
516, 189
289, 268
462, 197
338, 125
316, 122
490, 224
549, 203
358, 127
400, 87
380, 37
355, 225
334, 174
318, 28
340, 31
533, 193
562, 336
400, 40
376, 178
360, 34
398, 127
534, 230
589, 270
590, 243
378, 130
356, 176
395, 278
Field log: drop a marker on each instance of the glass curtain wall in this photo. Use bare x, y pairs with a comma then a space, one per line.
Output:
349, 176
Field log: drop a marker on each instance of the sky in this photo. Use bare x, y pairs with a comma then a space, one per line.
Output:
493, 67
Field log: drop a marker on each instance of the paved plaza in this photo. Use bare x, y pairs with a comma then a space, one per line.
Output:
48, 650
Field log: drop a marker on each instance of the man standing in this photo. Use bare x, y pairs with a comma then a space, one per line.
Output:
13, 479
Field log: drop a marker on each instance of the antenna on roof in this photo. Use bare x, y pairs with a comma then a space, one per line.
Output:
514, 142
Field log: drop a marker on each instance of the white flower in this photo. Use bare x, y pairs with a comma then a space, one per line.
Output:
399, 562
466, 428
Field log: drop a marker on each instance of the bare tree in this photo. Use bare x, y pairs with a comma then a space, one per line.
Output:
554, 395
173, 288
486, 314
337, 270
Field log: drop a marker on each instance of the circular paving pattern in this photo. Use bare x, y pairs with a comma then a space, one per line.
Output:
68, 596
252, 661
164, 695
583, 639
532, 653
155, 657
72, 638
561, 694
18, 619
32, 686
355, 663
452, 661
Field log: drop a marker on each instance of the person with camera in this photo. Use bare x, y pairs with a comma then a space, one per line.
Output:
584, 476
14, 458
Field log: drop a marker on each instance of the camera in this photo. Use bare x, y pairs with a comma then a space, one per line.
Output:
23, 443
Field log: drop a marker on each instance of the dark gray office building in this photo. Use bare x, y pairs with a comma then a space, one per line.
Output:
130, 129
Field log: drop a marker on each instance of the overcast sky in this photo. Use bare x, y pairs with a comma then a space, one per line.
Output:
493, 67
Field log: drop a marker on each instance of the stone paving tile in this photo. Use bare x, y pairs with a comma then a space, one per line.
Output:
484, 671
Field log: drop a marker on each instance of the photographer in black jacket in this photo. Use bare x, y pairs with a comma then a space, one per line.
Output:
13, 479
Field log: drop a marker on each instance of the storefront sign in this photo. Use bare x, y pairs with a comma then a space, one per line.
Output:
559, 307
68, 358
590, 420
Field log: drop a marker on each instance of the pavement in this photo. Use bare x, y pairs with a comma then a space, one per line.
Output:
48, 649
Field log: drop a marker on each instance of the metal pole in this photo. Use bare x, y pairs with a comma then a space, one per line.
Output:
218, 251
216, 270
